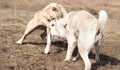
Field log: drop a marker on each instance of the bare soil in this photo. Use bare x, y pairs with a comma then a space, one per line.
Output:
14, 15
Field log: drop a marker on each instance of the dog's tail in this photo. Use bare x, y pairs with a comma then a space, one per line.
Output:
102, 19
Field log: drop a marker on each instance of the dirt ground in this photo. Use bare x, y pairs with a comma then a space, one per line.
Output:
14, 15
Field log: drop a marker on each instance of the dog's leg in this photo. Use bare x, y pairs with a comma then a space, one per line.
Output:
97, 48
30, 27
71, 46
97, 45
20, 40
44, 35
47, 49
76, 57
84, 55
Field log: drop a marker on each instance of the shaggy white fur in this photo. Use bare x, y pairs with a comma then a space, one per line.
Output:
83, 29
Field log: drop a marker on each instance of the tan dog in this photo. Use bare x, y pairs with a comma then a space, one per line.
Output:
50, 12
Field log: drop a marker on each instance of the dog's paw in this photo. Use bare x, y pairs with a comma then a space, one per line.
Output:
97, 59
67, 59
46, 51
74, 59
18, 42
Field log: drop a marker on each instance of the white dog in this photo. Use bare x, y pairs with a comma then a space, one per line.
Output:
51, 12
83, 29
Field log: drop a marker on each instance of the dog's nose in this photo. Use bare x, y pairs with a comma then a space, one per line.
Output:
52, 25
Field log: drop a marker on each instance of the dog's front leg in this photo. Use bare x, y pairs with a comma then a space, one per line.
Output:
47, 49
71, 46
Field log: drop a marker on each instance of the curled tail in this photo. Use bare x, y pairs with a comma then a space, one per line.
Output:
102, 19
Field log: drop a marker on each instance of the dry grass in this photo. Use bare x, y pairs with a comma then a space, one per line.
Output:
14, 15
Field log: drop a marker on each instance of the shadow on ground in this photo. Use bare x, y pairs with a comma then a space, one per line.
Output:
104, 59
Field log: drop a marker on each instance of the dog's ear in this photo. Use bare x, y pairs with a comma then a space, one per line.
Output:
54, 9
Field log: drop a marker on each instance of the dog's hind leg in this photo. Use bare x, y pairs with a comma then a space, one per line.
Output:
97, 48
30, 27
97, 45
84, 55
76, 57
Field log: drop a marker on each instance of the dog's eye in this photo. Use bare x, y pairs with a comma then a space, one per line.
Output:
48, 20
53, 18
52, 25
65, 25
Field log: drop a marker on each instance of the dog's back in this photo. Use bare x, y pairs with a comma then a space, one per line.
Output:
80, 20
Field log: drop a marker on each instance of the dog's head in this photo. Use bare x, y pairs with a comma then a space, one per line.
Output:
53, 11
58, 28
